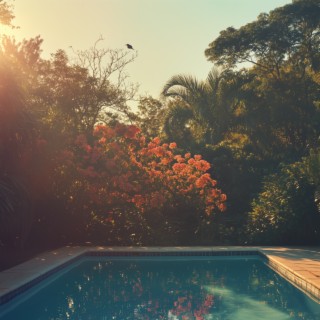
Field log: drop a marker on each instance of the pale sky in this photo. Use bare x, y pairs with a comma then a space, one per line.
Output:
169, 35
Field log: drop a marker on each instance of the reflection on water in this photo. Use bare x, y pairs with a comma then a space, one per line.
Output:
173, 290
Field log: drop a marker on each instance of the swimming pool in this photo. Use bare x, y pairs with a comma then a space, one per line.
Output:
173, 288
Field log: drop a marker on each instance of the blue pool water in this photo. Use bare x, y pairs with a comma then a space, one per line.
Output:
164, 288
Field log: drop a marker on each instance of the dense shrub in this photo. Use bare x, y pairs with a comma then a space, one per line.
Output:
285, 211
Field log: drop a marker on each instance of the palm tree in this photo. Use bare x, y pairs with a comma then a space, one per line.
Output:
201, 108
179, 124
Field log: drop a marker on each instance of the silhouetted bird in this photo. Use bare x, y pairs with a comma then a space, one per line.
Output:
129, 46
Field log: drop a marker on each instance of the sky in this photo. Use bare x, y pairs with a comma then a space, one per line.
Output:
170, 36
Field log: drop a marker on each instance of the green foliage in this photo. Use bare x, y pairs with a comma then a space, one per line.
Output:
312, 163
78, 97
44, 104
17, 137
289, 34
280, 117
250, 121
201, 109
240, 171
150, 116
279, 94
179, 124
285, 211
244, 122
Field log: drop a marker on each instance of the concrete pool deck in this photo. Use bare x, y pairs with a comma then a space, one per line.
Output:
299, 265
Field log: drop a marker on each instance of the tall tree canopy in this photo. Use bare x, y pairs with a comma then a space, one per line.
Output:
284, 48
287, 35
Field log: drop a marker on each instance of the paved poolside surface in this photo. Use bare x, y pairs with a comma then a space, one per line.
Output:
299, 265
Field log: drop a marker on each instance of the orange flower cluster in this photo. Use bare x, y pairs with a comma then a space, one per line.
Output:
126, 171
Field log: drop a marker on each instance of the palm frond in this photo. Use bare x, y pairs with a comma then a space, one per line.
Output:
178, 112
179, 92
213, 79
176, 118
189, 84
209, 102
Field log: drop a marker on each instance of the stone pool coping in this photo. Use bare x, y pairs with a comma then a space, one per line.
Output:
299, 265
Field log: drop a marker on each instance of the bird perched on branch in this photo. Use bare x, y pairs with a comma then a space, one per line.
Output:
129, 46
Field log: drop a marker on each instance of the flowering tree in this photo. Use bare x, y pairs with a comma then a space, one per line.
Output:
120, 173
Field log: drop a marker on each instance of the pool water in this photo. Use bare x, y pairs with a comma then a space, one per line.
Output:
164, 288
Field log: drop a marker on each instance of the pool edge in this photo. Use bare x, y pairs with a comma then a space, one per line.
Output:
310, 289
47, 264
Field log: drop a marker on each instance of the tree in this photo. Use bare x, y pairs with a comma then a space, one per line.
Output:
288, 35
179, 124
126, 183
150, 116
112, 89
73, 96
6, 14
82, 94
312, 163
17, 137
202, 108
285, 211
60, 100
283, 47
277, 116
